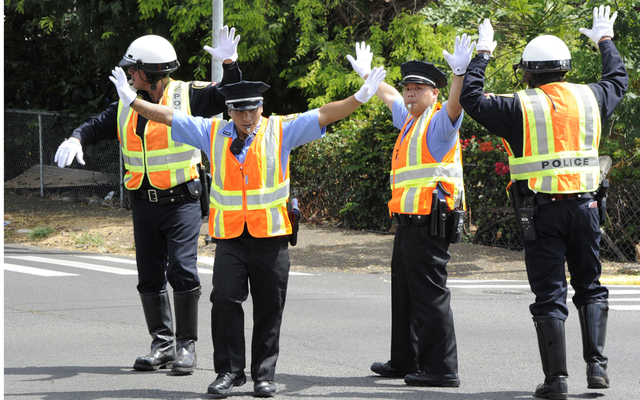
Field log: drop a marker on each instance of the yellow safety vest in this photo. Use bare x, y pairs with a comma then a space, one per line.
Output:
561, 136
167, 163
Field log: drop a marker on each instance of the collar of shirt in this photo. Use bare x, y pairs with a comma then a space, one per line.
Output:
230, 131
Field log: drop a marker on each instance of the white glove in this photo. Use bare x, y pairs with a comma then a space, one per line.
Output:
485, 37
227, 45
362, 63
370, 86
119, 79
68, 150
461, 57
602, 25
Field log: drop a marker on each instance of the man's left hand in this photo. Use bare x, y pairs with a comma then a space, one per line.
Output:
461, 57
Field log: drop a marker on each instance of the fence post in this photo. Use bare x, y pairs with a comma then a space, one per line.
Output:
41, 155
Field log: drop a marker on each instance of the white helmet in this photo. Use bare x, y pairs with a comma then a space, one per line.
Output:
546, 53
151, 53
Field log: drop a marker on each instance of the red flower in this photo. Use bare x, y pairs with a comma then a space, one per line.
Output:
486, 147
501, 169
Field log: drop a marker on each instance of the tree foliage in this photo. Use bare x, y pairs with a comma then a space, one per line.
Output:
59, 54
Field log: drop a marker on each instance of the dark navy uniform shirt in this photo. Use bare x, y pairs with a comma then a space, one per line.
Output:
204, 98
502, 115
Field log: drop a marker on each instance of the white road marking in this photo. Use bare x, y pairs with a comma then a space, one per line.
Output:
34, 271
75, 264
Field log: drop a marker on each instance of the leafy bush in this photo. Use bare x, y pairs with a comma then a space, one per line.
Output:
41, 233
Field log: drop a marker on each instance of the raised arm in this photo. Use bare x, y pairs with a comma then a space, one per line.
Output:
362, 65
458, 61
153, 112
337, 110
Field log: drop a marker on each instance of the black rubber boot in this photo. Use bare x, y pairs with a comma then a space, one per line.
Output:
186, 307
157, 312
553, 353
593, 323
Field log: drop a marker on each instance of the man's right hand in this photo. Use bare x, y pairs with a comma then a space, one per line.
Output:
119, 79
227, 45
362, 63
370, 86
68, 150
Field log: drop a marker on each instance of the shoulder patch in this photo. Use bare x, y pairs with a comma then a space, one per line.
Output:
290, 117
200, 84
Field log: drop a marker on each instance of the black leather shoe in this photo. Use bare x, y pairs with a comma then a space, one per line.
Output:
225, 381
597, 376
384, 369
425, 379
159, 358
264, 389
556, 389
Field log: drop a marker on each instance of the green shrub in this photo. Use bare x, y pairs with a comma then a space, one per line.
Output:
41, 233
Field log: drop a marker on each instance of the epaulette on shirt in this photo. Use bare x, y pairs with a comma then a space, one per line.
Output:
508, 95
290, 117
200, 84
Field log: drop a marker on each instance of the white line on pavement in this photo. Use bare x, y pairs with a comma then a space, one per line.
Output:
34, 271
75, 264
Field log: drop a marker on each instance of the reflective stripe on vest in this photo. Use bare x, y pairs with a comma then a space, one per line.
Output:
166, 162
560, 146
255, 192
415, 173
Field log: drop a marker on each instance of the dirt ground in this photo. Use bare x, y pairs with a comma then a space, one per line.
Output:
102, 229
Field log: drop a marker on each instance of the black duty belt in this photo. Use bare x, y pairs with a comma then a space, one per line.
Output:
546, 198
408, 219
175, 195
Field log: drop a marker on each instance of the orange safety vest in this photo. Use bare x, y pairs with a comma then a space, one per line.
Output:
167, 163
254, 193
561, 136
415, 173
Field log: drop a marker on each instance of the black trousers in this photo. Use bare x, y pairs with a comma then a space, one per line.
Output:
567, 230
166, 238
260, 265
422, 331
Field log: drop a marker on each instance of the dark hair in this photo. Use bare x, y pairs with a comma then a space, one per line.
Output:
535, 80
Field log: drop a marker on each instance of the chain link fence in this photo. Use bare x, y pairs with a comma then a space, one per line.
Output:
32, 138
495, 225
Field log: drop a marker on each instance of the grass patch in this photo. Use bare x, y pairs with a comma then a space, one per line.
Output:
90, 239
41, 233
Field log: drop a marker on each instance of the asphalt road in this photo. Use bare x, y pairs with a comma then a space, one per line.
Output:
76, 336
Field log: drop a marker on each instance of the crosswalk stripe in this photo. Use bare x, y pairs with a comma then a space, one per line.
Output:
111, 259
625, 308
133, 262
75, 264
34, 271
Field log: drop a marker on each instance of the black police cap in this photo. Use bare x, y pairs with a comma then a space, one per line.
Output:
243, 96
422, 72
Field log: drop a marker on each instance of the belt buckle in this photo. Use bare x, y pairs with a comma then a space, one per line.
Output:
153, 195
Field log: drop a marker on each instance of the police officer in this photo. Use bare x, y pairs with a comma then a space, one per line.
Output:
553, 158
426, 185
162, 180
250, 187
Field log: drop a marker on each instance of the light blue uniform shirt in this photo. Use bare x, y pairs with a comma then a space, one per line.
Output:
297, 129
441, 134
